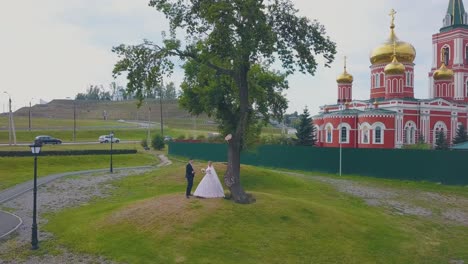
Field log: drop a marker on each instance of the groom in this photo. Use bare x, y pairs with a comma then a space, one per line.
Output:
189, 174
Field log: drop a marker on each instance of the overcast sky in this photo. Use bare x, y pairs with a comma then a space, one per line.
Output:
54, 49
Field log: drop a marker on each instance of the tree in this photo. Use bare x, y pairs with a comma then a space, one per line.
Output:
228, 51
461, 135
306, 130
170, 92
158, 142
441, 141
94, 92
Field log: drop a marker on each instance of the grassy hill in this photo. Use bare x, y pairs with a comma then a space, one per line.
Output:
295, 220
97, 115
115, 110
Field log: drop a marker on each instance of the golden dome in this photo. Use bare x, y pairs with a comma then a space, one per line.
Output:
405, 52
345, 77
443, 73
394, 67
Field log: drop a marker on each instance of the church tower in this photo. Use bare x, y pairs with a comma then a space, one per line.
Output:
450, 53
345, 86
383, 55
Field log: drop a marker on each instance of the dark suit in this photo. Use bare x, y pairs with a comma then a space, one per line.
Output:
189, 174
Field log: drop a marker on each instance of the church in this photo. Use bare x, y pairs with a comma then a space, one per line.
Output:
392, 117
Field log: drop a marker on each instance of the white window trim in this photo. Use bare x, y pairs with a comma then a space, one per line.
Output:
408, 126
348, 129
328, 125
361, 130
382, 131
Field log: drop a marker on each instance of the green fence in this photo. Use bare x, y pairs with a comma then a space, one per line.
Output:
447, 167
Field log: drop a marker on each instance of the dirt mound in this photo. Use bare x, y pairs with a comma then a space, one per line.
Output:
162, 214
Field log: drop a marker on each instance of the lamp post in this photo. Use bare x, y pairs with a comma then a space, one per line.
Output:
112, 140
35, 149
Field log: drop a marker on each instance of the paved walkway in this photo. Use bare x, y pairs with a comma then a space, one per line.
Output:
9, 222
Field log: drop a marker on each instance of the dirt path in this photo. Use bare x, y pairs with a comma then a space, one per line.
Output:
52, 197
450, 209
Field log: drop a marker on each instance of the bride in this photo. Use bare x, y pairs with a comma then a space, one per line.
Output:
209, 186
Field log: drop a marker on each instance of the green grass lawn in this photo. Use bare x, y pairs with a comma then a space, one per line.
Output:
22, 123
295, 220
17, 170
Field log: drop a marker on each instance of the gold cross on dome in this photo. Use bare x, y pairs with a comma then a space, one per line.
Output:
392, 14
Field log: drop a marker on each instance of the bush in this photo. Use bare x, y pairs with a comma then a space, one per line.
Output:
418, 146
144, 144
181, 137
201, 137
158, 142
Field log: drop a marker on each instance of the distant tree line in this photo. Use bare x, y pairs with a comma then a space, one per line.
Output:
119, 93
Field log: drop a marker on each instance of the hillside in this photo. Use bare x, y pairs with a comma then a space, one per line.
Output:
114, 110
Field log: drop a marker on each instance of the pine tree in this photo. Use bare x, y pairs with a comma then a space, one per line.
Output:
306, 130
441, 141
461, 135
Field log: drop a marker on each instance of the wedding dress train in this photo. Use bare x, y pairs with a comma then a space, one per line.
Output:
209, 186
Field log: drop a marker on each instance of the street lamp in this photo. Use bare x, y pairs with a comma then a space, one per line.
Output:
35, 149
112, 140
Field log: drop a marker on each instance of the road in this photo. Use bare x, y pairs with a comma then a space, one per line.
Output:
70, 143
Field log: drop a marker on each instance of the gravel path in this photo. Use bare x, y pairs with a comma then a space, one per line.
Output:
451, 209
63, 193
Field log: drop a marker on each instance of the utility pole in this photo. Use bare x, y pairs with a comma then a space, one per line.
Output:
30, 114
149, 125
74, 120
161, 110
11, 123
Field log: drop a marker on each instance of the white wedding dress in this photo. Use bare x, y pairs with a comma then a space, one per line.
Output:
209, 186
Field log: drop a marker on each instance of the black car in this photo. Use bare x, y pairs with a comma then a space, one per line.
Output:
47, 140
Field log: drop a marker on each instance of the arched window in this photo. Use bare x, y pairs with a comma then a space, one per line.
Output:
316, 133
378, 135
410, 133
365, 133
344, 135
329, 132
344, 129
466, 54
438, 127
466, 88
445, 55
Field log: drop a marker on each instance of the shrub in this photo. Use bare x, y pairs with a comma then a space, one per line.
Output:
181, 137
158, 142
144, 143
201, 137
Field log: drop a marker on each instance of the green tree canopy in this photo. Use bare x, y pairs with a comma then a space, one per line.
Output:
228, 52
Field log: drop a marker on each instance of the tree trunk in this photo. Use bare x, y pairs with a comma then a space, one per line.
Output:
232, 176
